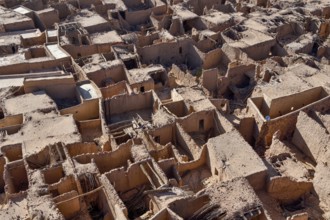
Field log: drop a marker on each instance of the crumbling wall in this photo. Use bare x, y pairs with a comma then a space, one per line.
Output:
212, 59
81, 51
65, 185
125, 103
12, 152
231, 54
118, 158
176, 27
147, 39
124, 180
186, 142
115, 72
200, 161
162, 53
164, 152
291, 28
198, 6
169, 167
259, 51
79, 72
258, 108
48, 156
195, 203
87, 110
11, 120
178, 108
210, 79
205, 45
34, 5
35, 52
310, 137
89, 3
132, 3
68, 204
15, 176
100, 27
31, 41
137, 17
286, 123
59, 87
47, 17
194, 121
247, 129
165, 134
2, 167
116, 205
195, 58
238, 74
146, 85
286, 104
62, 8
19, 25
82, 148
90, 129
166, 214
115, 89
321, 183
53, 174
286, 189
15, 68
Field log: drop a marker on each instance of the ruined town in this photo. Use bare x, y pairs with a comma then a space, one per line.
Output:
165, 109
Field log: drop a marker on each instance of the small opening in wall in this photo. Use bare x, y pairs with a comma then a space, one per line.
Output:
1, 114
157, 139
201, 124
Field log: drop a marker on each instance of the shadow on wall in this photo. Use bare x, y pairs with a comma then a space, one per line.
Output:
162, 53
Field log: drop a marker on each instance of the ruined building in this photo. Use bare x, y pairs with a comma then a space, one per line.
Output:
165, 109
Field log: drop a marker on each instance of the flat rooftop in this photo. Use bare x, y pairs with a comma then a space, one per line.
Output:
88, 19
44, 129
248, 38
9, 16
22, 104
111, 37
183, 13
231, 151
56, 51
217, 18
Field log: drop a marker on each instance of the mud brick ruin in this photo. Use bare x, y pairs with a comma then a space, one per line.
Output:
165, 109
